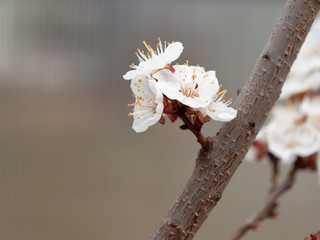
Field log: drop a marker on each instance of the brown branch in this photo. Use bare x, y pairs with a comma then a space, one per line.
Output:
267, 209
220, 157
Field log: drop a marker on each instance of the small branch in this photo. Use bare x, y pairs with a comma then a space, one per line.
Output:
197, 132
268, 207
275, 170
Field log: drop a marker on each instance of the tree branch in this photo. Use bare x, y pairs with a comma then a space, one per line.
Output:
268, 207
220, 157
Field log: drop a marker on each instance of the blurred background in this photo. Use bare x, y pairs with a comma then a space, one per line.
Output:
71, 167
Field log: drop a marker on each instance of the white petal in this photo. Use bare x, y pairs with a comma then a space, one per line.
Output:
140, 86
168, 84
223, 114
130, 74
146, 119
173, 51
156, 62
207, 89
192, 102
148, 108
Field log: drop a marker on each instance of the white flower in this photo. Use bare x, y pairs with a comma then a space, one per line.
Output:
288, 135
154, 59
192, 86
305, 71
311, 108
218, 109
148, 107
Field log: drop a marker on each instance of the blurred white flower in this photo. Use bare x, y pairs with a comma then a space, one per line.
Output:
305, 71
288, 135
311, 107
154, 60
190, 85
148, 106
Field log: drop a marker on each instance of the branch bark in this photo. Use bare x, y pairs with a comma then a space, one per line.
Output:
267, 208
220, 156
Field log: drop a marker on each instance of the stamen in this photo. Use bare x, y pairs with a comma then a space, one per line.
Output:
194, 76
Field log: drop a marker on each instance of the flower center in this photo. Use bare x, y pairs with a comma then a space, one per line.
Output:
293, 144
190, 91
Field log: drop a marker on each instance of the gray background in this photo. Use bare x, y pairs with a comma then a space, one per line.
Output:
71, 167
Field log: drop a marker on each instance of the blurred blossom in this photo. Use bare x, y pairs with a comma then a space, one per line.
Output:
292, 133
305, 72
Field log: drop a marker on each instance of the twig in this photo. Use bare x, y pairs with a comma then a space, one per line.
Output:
267, 209
221, 156
275, 170
197, 132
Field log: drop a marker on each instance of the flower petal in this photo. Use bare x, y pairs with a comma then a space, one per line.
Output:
223, 114
130, 74
148, 107
174, 51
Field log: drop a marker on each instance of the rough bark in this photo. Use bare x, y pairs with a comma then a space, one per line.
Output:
220, 157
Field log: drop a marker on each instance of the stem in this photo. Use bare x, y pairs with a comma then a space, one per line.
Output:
221, 156
197, 132
275, 169
267, 209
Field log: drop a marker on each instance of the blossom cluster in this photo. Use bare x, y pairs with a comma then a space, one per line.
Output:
162, 89
292, 133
